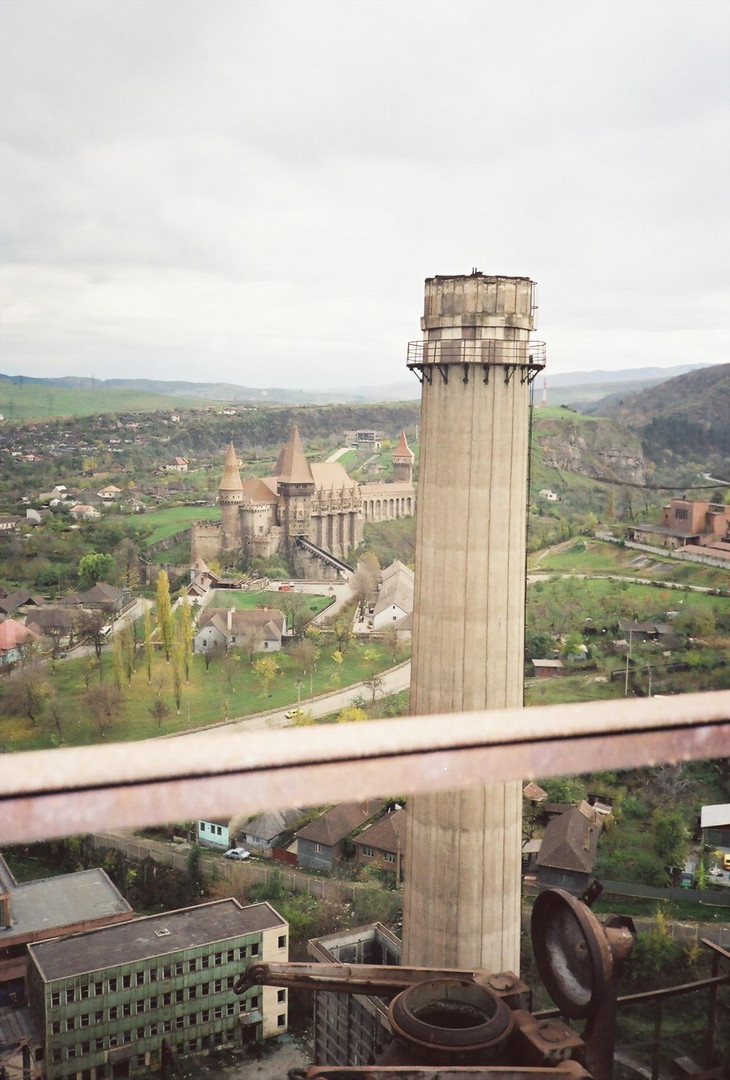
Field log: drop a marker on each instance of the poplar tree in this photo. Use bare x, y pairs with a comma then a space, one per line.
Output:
163, 613
148, 644
186, 632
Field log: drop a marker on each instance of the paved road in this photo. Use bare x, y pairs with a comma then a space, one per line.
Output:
394, 680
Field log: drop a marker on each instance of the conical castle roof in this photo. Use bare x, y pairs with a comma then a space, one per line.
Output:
403, 449
231, 480
292, 466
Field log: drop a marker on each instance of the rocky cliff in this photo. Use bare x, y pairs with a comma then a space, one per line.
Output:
598, 448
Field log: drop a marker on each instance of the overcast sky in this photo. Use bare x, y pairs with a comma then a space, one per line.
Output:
254, 192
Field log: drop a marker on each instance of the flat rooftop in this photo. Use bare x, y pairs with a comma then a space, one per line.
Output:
50, 904
152, 936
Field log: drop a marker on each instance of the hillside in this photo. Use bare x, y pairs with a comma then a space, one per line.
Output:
683, 419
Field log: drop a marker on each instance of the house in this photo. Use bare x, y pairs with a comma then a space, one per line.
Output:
50, 908
21, 598
13, 638
255, 629
546, 669
84, 512
52, 620
105, 597
106, 999
109, 493
214, 833
715, 825
395, 597
549, 495
569, 848
265, 831
36, 517
177, 465
322, 842
383, 843
8, 523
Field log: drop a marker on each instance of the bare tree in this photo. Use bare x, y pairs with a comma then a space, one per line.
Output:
105, 704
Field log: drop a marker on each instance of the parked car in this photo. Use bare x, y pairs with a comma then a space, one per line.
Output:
285, 588
239, 853
293, 714
726, 861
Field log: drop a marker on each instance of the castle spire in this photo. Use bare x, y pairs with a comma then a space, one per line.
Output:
403, 449
292, 466
231, 480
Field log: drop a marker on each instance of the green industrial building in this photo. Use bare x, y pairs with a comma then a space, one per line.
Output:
105, 1000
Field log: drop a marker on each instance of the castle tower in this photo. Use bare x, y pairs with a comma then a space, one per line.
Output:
296, 488
403, 458
230, 497
462, 895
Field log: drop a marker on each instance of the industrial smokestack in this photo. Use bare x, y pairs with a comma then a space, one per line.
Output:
475, 362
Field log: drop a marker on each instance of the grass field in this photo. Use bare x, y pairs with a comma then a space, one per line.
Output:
587, 556
230, 687
230, 598
28, 401
164, 523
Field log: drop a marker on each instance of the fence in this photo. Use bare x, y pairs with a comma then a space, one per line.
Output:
248, 872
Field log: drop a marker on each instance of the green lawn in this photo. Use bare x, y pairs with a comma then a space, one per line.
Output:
588, 556
164, 523
233, 598
230, 686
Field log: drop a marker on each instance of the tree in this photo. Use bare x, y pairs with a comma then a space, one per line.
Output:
89, 629
296, 609
177, 674
266, 669
343, 632
671, 837
128, 651
148, 644
118, 662
365, 581
127, 563
26, 693
304, 654
351, 714
163, 613
159, 710
105, 704
186, 632
96, 567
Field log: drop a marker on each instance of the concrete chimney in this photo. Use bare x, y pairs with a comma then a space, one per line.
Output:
475, 363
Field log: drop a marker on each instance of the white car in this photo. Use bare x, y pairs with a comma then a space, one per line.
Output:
239, 853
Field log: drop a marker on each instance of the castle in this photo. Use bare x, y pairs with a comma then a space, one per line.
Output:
311, 512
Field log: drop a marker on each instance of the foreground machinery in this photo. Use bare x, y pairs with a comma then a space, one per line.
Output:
459, 1023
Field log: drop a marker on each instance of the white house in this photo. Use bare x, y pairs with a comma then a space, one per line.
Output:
256, 630
395, 598
214, 833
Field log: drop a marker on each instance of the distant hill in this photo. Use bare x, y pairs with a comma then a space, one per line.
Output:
25, 396
688, 415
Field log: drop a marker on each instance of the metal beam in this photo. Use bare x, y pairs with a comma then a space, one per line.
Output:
127, 785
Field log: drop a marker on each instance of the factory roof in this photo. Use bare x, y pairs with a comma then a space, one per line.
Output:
150, 937
46, 906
